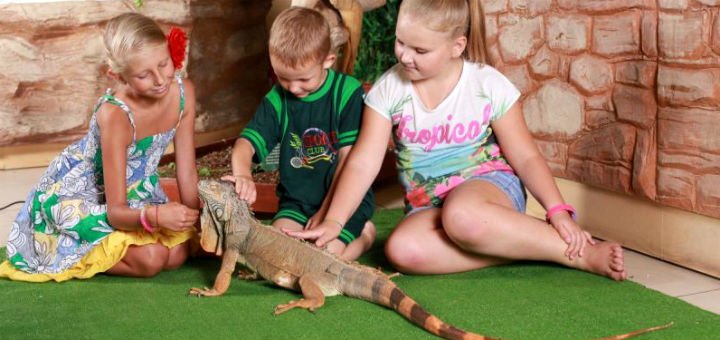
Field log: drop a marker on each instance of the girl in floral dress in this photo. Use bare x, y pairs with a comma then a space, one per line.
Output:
99, 207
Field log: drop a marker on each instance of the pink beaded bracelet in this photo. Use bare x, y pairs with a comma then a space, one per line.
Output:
560, 207
144, 221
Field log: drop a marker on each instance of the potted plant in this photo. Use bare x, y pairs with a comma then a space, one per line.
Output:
376, 53
213, 162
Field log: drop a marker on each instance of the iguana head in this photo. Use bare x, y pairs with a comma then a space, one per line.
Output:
223, 213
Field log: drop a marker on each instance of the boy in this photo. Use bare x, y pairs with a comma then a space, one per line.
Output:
314, 113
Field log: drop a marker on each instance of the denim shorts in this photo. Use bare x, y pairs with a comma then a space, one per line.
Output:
510, 184
507, 182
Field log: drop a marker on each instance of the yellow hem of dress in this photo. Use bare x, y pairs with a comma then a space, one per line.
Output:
103, 257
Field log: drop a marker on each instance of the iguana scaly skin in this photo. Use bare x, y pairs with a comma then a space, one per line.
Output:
229, 228
227, 222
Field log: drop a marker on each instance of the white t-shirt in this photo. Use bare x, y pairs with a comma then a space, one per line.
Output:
453, 139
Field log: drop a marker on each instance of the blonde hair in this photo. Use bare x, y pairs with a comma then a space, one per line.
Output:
458, 17
129, 33
299, 36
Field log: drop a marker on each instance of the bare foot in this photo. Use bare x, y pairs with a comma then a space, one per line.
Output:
604, 258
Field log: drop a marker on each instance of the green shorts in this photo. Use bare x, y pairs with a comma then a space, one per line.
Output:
301, 213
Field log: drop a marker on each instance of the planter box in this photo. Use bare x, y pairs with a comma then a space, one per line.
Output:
266, 202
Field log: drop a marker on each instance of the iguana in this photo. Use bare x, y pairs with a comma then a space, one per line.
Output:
229, 229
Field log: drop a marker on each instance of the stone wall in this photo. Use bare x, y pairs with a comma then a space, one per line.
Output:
52, 66
620, 94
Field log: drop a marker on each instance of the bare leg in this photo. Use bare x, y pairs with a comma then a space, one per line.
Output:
361, 244
142, 261
419, 245
478, 219
177, 256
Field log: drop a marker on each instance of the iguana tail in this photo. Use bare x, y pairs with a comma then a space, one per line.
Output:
382, 291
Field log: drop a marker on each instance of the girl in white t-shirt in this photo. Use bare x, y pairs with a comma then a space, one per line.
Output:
461, 144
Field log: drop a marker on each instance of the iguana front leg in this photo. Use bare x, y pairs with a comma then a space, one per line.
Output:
222, 280
313, 287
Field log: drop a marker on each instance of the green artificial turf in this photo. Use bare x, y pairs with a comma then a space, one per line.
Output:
519, 301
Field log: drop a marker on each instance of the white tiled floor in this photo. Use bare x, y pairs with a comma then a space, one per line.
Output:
695, 288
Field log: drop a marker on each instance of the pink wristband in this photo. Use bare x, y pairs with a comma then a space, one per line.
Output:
560, 207
144, 221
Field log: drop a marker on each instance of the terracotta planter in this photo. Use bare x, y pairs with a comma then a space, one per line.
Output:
267, 201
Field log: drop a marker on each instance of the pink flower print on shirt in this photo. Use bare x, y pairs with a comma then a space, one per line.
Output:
486, 114
441, 190
418, 197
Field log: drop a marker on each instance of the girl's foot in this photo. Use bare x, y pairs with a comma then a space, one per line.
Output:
604, 258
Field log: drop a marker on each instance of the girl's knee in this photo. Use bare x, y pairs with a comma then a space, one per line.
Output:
404, 253
467, 227
149, 260
177, 256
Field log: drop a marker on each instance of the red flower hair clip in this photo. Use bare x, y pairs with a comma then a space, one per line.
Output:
177, 44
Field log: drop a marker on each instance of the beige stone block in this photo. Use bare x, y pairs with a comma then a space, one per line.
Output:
544, 64
520, 77
531, 7
683, 35
611, 144
614, 177
676, 187
648, 33
554, 109
495, 6
617, 34
701, 161
673, 4
591, 75
595, 119
555, 154
708, 191
600, 102
693, 131
568, 33
636, 73
635, 105
520, 40
605, 5
645, 164
688, 87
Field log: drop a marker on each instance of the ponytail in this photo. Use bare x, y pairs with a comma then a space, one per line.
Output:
476, 50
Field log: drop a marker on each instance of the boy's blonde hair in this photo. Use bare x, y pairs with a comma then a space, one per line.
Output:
299, 36
458, 17
129, 33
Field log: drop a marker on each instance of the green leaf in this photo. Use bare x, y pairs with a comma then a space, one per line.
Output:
204, 172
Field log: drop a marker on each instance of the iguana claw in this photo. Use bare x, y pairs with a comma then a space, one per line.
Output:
205, 291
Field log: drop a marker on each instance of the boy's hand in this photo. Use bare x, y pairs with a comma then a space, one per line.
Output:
322, 233
575, 237
174, 216
244, 187
315, 220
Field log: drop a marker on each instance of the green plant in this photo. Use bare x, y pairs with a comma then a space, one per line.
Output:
376, 51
